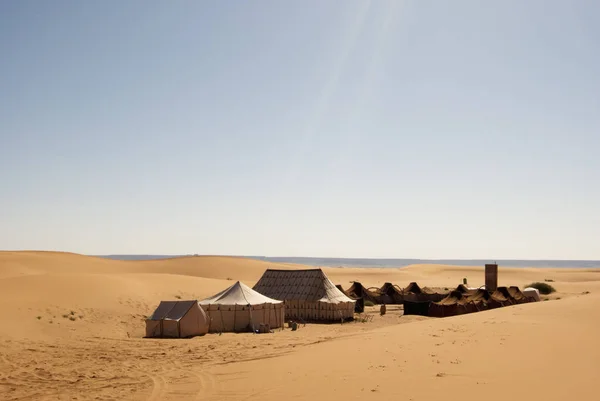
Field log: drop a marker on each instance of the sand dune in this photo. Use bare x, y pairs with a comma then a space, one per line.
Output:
72, 327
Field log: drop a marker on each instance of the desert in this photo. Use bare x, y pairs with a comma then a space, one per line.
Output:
73, 328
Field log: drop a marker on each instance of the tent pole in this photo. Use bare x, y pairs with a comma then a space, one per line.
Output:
222, 321
251, 321
234, 311
269, 315
208, 316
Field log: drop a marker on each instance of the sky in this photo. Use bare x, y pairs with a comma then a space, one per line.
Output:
339, 128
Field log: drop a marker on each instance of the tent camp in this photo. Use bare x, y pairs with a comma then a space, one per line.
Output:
308, 294
240, 308
177, 319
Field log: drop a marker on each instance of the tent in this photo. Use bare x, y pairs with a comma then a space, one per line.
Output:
416, 307
484, 300
456, 303
413, 292
358, 291
177, 319
506, 294
308, 294
519, 296
390, 294
240, 308
465, 290
532, 293
359, 305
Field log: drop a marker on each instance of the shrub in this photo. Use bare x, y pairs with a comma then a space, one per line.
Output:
369, 303
38, 317
543, 288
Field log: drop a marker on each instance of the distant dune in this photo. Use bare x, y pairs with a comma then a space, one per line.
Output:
73, 324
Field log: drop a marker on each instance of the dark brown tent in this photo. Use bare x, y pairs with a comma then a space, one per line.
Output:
503, 295
416, 308
390, 294
484, 300
518, 296
413, 288
455, 303
465, 290
413, 292
357, 290
359, 306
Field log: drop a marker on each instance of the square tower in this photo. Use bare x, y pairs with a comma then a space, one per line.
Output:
491, 277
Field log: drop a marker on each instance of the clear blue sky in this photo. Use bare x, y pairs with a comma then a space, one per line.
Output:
422, 129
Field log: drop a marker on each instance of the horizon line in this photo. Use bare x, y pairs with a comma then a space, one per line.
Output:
348, 258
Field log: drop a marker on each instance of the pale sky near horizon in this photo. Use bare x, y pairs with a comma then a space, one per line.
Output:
408, 129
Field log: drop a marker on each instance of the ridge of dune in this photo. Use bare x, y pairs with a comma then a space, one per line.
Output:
14, 263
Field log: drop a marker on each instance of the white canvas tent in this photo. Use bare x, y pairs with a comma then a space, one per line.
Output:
308, 294
177, 319
240, 308
532, 292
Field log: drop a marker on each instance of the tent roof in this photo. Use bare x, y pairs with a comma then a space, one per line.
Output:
239, 294
304, 285
171, 310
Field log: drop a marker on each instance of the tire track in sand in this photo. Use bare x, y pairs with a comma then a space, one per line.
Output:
207, 381
159, 387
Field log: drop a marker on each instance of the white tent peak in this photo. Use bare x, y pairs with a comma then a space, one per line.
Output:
238, 294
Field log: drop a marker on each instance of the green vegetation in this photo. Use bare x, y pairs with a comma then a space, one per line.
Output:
543, 288
369, 303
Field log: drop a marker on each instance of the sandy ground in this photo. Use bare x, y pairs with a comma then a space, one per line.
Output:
72, 327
